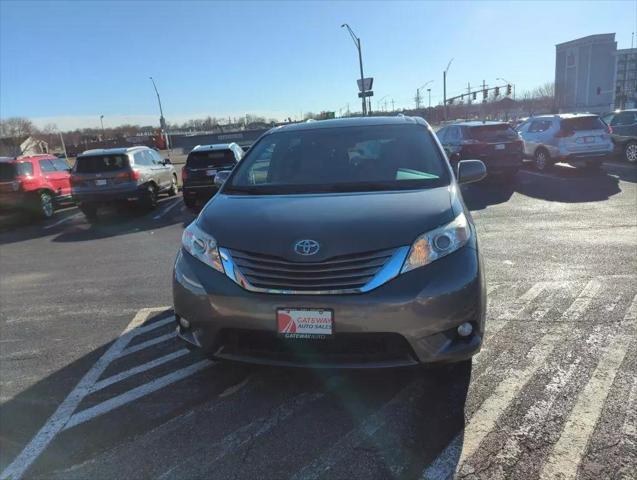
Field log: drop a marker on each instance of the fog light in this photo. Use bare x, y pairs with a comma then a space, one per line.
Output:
465, 329
184, 323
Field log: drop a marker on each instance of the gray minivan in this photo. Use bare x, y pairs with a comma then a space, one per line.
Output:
336, 243
135, 174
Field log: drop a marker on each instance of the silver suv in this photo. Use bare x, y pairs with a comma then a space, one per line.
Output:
582, 140
106, 176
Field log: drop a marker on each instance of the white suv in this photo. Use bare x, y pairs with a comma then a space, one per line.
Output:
582, 140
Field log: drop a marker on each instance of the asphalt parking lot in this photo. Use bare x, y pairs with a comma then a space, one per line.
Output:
95, 385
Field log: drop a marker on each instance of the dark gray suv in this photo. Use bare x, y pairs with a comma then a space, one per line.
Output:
135, 174
339, 243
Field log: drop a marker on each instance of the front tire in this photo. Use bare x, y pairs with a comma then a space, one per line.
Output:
173, 187
630, 152
542, 160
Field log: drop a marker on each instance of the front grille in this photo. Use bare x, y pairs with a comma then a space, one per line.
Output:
344, 272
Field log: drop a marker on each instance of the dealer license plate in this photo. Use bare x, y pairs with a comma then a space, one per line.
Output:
304, 323
500, 146
100, 183
211, 173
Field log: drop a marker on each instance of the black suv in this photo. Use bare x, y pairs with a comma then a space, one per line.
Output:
623, 128
202, 165
495, 143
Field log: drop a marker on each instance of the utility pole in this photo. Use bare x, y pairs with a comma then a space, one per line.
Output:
417, 99
444, 87
357, 42
393, 109
102, 122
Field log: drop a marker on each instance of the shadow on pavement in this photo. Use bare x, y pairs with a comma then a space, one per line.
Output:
188, 418
569, 185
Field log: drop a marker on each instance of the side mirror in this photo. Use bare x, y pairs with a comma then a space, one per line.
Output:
167, 161
471, 171
221, 177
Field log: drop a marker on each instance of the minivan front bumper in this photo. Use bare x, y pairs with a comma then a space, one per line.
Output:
411, 319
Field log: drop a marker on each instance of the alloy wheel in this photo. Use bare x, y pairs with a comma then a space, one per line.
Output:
46, 205
631, 152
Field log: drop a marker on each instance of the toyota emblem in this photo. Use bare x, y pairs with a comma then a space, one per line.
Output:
307, 247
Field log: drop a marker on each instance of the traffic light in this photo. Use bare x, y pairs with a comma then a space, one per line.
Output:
509, 90
475, 95
497, 91
451, 101
485, 94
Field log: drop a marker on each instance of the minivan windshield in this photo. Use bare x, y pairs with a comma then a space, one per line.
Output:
100, 163
345, 159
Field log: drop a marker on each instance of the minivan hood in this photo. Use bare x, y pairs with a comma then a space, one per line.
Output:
342, 223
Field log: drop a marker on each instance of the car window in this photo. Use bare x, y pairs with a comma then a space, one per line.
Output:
623, 118
47, 166
453, 134
442, 134
151, 157
142, 160
100, 163
8, 171
211, 159
583, 123
60, 165
383, 157
539, 126
487, 133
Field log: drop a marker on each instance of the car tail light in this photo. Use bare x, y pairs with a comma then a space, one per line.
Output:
565, 133
184, 173
134, 175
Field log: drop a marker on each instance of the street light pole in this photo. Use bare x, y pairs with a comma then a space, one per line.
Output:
429, 92
162, 120
102, 122
357, 42
418, 93
444, 87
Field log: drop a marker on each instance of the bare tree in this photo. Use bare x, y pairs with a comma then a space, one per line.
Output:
16, 127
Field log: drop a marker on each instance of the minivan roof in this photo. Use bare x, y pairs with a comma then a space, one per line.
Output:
112, 151
351, 122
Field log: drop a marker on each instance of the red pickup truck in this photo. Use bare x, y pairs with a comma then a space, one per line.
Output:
37, 184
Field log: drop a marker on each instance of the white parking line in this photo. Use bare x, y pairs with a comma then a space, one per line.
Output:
139, 369
167, 209
147, 343
61, 221
570, 449
135, 393
484, 420
60, 417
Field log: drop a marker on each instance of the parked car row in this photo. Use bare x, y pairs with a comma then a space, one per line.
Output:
581, 140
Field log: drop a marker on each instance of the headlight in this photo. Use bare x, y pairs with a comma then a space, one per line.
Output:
201, 246
438, 243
